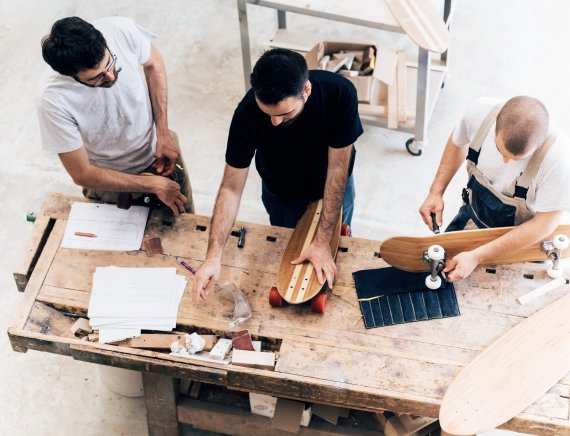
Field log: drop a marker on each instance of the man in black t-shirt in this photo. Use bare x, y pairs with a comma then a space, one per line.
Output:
301, 127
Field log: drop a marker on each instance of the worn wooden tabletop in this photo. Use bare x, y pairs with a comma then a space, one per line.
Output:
328, 358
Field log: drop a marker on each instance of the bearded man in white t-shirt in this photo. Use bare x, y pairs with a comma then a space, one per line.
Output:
519, 175
106, 122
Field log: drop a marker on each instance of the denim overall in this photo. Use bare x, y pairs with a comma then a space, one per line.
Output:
484, 206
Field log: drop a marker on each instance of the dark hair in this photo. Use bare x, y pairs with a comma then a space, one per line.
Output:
279, 74
72, 46
523, 124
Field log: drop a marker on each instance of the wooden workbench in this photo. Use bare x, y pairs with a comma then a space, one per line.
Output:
330, 358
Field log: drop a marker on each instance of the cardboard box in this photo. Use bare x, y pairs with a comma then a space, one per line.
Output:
382, 94
363, 84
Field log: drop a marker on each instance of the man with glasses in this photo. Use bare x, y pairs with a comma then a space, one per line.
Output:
518, 167
108, 127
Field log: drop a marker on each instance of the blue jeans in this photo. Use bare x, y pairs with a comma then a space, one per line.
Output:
285, 212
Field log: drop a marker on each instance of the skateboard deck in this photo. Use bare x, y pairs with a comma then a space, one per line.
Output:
511, 374
299, 283
422, 22
406, 252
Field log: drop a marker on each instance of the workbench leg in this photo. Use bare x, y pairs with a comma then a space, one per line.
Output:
160, 402
422, 96
244, 38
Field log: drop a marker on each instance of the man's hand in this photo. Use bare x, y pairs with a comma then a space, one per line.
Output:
204, 279
320, 256
166, 154
461, 266
432, 204
168, 191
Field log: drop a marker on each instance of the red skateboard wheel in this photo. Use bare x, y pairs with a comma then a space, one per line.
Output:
345, 230
319, 303
275, 299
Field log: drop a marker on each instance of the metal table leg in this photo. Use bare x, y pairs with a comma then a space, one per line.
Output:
244, 38
416, 144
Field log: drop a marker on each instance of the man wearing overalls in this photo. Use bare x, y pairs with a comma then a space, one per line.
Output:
518, 168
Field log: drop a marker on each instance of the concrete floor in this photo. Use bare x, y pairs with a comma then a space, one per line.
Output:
498, 49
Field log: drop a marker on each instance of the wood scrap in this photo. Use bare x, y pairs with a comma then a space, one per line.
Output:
254, 359
79, 328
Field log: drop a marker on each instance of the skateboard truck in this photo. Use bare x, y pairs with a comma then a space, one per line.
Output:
553, 249
435, 256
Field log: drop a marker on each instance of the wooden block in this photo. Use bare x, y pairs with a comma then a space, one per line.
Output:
79, 328
221, 348
210, 341
184, 386
93, 337
254, 359
242, 340
409, 425
157, 341
195, 389
381, 419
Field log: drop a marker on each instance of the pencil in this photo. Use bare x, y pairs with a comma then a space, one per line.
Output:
86, 235
185, 265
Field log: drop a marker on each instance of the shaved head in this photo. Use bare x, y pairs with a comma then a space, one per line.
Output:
522, 125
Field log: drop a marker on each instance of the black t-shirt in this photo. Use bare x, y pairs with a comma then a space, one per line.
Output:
292, 160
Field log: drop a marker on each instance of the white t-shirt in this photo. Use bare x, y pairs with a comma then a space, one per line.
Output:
548, 191
115, 124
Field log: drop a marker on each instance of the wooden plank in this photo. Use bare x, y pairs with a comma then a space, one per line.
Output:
224, 419
31, 252
40, 271
160, 402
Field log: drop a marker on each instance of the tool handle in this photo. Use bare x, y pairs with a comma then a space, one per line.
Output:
434, 223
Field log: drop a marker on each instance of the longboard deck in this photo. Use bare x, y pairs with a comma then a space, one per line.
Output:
406, 252
511, 374
298, 283
422, 22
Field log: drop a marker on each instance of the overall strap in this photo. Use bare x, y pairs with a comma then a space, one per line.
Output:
481, 134
523, 182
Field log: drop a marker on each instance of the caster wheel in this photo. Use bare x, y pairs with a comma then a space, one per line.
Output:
275, 299
414, 147
345, 230
319, 303
433, 284
561, 242
436, 252
554, 273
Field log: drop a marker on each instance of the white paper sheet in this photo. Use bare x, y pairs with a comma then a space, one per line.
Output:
125, 301
113, 228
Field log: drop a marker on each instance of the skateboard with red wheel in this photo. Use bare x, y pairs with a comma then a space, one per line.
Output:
298, 283
429, 253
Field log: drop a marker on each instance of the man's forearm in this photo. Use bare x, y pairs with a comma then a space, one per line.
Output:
105, 179
521, 236
337, 176
158, 90
451, 160
225, 212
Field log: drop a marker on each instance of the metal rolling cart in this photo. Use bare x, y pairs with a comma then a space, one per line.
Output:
425, 77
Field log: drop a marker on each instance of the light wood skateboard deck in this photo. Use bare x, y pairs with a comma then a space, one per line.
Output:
511, 374
298, 283
422, 22
406, 252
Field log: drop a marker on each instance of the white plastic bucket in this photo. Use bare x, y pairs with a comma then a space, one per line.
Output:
121, 381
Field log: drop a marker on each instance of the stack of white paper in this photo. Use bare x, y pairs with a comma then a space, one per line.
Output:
125, 301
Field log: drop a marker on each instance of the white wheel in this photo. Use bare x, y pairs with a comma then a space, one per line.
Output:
561, 242
554, 273
433, 284
436, 252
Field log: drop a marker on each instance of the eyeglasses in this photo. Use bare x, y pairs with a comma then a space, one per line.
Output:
96, 81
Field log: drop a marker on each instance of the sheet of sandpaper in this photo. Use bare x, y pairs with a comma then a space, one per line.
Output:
389, 296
